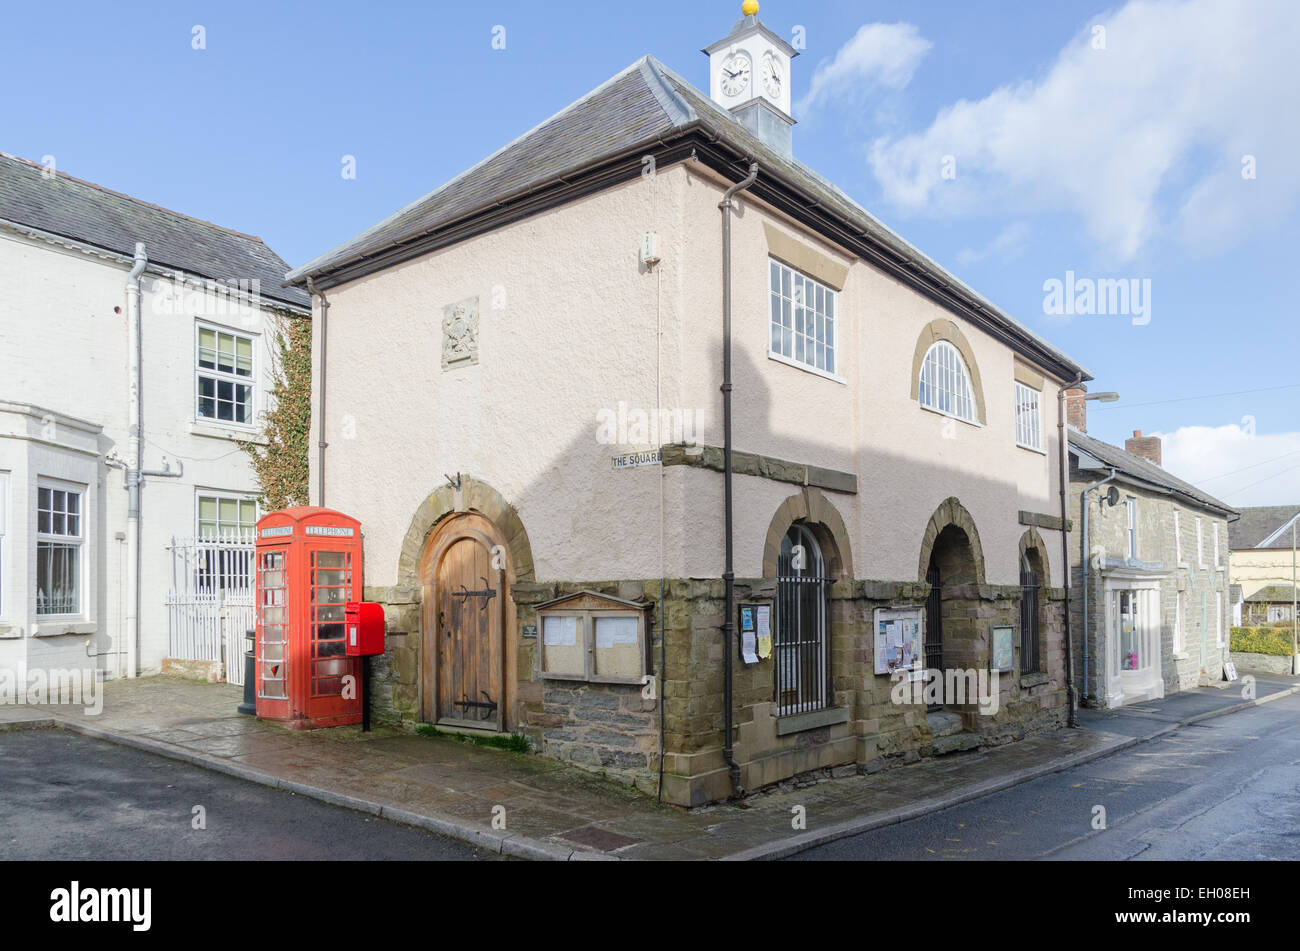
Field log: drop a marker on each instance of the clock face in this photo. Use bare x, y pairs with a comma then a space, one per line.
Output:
772, 78
735, 74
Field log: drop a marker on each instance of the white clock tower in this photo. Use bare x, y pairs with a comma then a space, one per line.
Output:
749, 75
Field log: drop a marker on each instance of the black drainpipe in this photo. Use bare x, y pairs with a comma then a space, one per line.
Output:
324, 342
1071, 691
729, 575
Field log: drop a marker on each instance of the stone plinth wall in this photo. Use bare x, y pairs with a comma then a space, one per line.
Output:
614, 730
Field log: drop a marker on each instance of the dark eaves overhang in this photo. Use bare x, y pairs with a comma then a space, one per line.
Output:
696, 140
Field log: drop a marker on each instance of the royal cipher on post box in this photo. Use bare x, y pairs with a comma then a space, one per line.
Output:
308, 570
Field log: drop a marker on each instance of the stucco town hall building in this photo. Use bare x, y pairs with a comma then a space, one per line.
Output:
666, 451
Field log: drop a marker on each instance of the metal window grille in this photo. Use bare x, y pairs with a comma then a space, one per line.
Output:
944, 383
802, 658
1029, 584
934, 624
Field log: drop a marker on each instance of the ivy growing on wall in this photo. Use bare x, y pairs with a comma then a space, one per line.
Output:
281, 465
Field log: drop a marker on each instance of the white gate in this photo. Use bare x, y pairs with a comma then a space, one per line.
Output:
210, 603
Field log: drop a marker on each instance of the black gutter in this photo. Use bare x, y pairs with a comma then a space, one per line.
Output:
1063, 450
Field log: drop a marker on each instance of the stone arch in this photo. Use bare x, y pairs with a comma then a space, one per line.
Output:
945, 329
812, 508
1031, 543
951, 514
472, 496
1038, 611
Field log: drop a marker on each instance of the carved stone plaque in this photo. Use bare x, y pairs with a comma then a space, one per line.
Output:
460, 334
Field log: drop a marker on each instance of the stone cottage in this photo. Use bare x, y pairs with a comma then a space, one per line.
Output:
672, 457
1150, 596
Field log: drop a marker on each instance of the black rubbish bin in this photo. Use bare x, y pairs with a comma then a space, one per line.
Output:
249, 706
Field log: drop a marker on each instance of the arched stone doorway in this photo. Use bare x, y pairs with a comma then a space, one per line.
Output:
1034, 580
462, 522
952, 562
807, 550
463, 625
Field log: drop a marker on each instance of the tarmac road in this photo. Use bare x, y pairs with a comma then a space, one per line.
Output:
1224, 789
70, 797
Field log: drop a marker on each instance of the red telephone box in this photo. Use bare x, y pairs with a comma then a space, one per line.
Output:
308, 569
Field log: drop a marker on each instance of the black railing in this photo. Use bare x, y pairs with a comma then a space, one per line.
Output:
1029, 654
934, 625
802, 657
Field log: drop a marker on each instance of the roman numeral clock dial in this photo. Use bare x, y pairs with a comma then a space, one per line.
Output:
735, 74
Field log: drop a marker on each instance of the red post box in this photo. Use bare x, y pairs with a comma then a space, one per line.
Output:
365, 628
308, 570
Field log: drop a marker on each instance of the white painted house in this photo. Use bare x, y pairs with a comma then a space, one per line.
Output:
71, 256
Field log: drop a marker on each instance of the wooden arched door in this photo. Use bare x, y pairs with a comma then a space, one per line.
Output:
463, 656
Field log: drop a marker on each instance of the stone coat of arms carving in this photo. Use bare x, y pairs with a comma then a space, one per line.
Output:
460, 334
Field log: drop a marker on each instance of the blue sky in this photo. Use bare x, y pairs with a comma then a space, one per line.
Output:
1122, 160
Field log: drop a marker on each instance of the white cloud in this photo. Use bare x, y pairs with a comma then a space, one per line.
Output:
1235, 464
1008, 244
1142, 137
880, 54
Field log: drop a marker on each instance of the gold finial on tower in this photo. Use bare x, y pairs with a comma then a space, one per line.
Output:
749, 8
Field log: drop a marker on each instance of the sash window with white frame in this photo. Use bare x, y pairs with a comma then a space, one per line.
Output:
802, 324
224, 376
59, 538
1029, 422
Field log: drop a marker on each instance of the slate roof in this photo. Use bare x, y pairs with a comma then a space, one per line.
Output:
84, 212
1144, 470
1257, 523
1273, 593
644, 106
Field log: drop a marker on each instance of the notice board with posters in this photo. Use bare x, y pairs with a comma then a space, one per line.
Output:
900, 636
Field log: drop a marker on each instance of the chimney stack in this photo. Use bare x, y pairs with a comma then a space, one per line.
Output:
1076, 408
1148, 447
